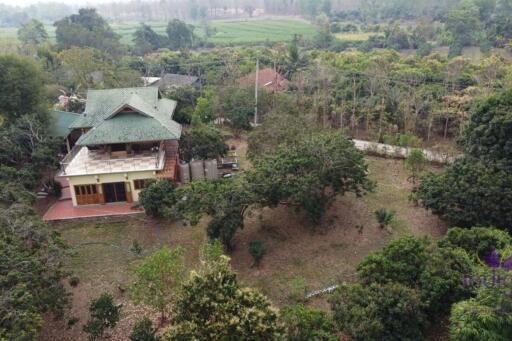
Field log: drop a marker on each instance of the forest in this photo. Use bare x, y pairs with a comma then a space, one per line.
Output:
312, 239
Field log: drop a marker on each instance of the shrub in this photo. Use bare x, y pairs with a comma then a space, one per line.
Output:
303, 323
74, 281
136, 247
384, 217
257, 251
378, 312
104, 314
415, 163
143, 331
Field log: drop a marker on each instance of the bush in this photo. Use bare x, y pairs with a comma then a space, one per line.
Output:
378, 312
143, 331
156, 196
415, 163
402, 260
74, 281
304, 324
384, 217
136, 247
257, 251
104, 314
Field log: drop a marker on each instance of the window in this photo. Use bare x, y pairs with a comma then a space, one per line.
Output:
85, 189
139, 184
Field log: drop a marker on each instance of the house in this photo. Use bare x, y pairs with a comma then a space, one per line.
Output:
171, 81
268, 79
126, 136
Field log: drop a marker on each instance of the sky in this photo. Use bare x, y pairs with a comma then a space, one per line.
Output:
70, 2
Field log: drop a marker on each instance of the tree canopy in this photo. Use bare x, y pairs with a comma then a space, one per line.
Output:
86, 29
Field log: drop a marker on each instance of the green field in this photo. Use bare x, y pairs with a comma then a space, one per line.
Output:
241, 32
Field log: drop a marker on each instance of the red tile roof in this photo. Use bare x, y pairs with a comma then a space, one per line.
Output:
267, 78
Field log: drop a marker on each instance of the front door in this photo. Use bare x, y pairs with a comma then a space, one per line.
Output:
114, 192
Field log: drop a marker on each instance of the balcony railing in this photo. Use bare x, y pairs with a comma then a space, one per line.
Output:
87, 162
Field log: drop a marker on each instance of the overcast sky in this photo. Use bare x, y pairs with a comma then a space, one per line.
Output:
70, 2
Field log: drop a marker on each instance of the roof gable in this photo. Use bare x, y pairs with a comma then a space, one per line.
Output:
148, 117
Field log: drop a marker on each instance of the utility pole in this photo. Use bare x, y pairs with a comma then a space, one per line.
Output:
256, 91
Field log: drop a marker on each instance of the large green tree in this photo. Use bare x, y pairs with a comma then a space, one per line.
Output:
310, 174
213, 306
86, 29
202, 142
147, 40
32, 32
179, 34
21, 88
31, 274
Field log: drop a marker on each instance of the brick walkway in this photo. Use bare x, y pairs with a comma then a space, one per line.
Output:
64, 210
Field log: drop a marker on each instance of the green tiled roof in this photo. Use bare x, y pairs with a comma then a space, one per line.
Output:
60, 121
149, 118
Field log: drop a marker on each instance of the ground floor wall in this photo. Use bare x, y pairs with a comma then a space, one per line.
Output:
97, 195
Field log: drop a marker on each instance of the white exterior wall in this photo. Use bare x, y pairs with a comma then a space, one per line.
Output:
106, 178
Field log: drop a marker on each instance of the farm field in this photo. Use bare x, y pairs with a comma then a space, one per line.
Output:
319, 257
240, 32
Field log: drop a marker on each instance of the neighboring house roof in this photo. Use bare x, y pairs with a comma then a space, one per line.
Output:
174, 80
150, 80
267, 78
60, 122
127, 115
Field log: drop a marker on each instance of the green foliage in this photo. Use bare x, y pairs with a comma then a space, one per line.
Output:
226, 200
32, 32
179, 34
205, 108
238, 108
384, 217
143, 331
86, 29
136, 247
147, 40
378, 312
202, 142
488, 134
488, 316
304, 324
402, 260
310, 173
158, 279
21, 88
156, 197
415, 163
470, 192
477, 241
104, 314
257, 250
31, 274
212, 306
74, 281
284, 124
441, 282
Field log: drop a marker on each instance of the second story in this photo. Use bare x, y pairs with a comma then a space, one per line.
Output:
123, 130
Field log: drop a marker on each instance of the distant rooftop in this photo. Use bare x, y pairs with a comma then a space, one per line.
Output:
267, 78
